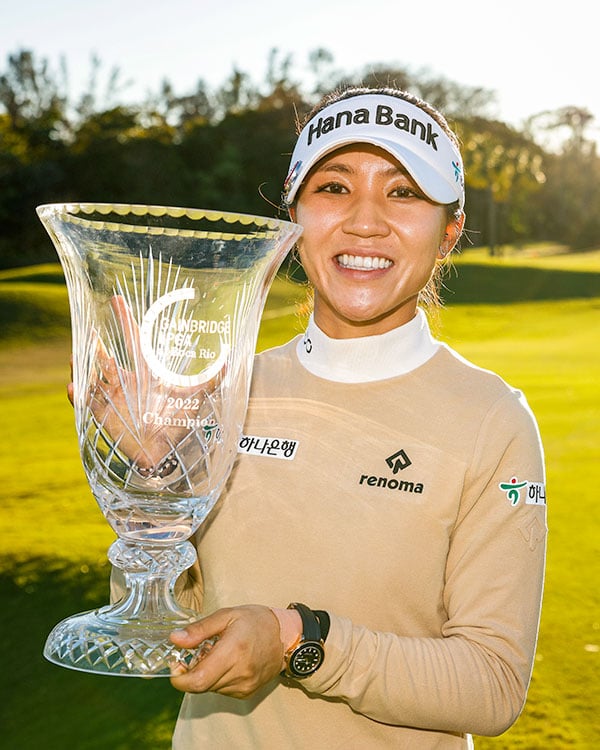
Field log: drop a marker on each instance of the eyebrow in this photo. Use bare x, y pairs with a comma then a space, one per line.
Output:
343, 168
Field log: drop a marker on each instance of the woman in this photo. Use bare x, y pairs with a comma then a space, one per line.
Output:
408, 515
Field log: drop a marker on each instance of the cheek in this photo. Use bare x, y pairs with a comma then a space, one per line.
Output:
428, 236
312, 245
307, 259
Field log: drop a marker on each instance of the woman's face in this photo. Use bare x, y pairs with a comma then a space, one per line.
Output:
370, 241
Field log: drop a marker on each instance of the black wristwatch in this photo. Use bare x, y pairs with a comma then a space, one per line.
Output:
307, 654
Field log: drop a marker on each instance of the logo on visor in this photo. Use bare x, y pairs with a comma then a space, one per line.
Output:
291, 178
458, 174
383, 115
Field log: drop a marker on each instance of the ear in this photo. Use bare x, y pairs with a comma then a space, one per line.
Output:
452, 234
292, 212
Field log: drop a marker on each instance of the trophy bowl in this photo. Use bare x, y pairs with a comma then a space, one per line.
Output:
165, 308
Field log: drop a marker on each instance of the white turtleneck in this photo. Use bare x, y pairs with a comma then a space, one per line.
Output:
369, 358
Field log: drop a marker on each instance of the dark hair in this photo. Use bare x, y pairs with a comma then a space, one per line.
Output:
430, 294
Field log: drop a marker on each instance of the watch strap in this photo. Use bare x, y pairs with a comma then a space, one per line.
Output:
311, 629
324, 622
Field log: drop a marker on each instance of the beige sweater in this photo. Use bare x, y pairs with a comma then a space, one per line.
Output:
391, 517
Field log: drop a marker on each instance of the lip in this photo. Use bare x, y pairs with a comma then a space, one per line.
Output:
362, 262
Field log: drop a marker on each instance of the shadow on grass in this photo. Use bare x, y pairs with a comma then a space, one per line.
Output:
46, 274
497, 285
33, 312
43, 705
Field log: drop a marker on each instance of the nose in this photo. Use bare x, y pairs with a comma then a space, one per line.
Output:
366, 218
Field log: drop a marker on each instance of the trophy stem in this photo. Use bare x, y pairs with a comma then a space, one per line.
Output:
131, 637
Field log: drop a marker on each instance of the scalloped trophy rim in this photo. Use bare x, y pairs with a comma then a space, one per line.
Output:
77, 213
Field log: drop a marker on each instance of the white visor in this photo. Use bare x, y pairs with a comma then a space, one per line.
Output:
402, 129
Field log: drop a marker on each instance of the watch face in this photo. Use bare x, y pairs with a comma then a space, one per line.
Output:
306, 659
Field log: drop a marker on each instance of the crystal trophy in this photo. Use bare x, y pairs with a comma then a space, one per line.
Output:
165, 309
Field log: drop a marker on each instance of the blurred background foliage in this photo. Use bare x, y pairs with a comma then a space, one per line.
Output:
229, 148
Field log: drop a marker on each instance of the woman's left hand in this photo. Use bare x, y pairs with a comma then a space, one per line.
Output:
247, 654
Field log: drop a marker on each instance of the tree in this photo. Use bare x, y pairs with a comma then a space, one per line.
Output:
32, 123
34, 105
229, 148
571, 207
507, 167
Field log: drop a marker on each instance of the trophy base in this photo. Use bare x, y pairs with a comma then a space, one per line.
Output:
91, 642
131, 637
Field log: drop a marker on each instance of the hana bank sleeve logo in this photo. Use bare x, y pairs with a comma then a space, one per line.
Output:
535, 492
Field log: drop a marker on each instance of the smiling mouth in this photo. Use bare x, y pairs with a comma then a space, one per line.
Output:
362, 263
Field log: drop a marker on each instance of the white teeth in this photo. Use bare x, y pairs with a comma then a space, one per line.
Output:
363, 263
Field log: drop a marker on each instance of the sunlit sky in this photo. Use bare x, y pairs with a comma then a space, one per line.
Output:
536, 56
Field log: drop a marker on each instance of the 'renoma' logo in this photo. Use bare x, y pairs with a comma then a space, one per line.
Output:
398, 461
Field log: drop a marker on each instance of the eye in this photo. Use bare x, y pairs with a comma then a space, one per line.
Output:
332, 187
405, 191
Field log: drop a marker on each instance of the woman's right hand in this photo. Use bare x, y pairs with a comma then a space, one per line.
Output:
146, 417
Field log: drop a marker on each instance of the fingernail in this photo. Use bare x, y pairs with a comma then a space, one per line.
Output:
182, 632
177, 670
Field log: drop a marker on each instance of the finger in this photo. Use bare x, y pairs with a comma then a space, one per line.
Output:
128, 324
201, 630
203, 636
206, 672
105, 363
217, 671
246, 656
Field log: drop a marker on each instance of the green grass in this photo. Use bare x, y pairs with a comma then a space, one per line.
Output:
532, 317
